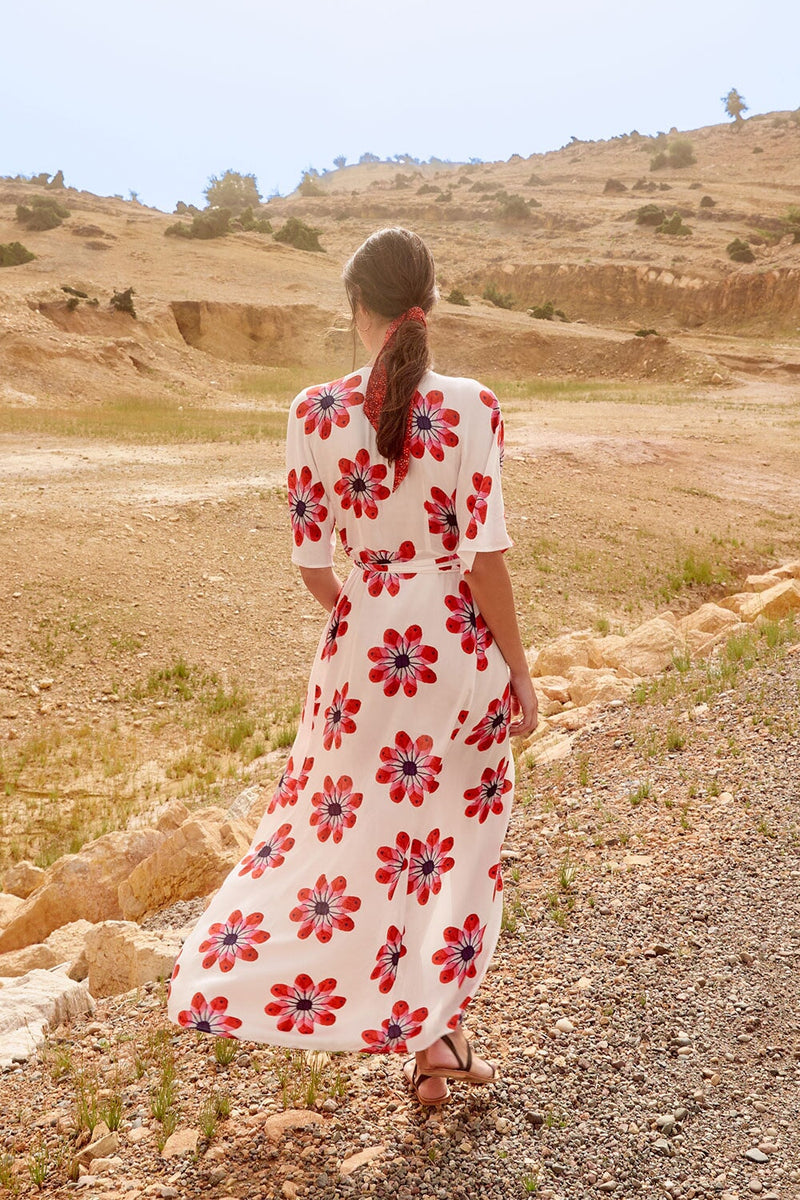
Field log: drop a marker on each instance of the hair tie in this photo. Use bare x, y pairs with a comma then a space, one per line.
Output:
376, 389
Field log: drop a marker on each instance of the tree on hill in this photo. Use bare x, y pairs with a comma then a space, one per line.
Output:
340, 161
232, 190
734, 106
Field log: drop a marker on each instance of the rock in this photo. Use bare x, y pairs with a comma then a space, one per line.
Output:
351, 1164
121, 956
790, 570
33, 1003
755, 1185
649, 649
9, 904
564, 1025
554, 687
662, 1146
708, 618
189, 861
139, 1134
760, 583
292, 1118
173, 815
80, 886
756, 1156
182, 1141
590, 686
102, 1148
551, 747
64, 945
775, 602
637, 860
23, 878
245, 804
570, 650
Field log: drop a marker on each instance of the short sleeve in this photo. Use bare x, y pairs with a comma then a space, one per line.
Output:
310, 508
479, 494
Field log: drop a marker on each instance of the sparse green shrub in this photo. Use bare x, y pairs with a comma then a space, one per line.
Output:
428, 189
614, 185
650, 214
514, 208
186, 210
481, 185
674, 226
296, 233
233, 191
707, 202
210, 223
457, 297
72, 303
250, 223
308, 185
658, 161
13, 254
497, 298
792, 220
643, 333
676, 154
734, 106
41, 213
739, 251
546, 311
123, 302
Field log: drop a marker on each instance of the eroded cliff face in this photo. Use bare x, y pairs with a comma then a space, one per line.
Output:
277, 335
608, 292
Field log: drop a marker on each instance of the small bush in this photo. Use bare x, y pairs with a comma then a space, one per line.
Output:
650, 214
186, 210
123, 302
497, 298
547, 311
614, 186
647, 333
482, 186
645, 185
250, 223
13, 254
296, 233
72, 303
428, 189
658, 162
676, 154
514, 208
212, 223
44, 213
674, 226
739, 251
457, 297
707, 202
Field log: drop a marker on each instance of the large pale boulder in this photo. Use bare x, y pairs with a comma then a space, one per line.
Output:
80, 886
708, 618
774, 603
700, 644
588, 686
554, 687
9, 904
649, 649
191, 861
600, 649
62, 946
737, 601
569, 650
23, 878
760, 583
121, 956
790, 570
34, 1003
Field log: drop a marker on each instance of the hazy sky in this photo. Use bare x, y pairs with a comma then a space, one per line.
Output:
156, 96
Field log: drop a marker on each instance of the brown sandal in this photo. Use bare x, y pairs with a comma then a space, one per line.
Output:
415, 1078
463, 1070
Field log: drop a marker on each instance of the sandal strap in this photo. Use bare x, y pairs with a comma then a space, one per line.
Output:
462, 1066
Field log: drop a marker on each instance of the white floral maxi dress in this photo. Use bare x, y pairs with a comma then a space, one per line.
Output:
365, 913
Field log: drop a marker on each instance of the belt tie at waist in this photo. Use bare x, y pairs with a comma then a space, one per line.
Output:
374, 563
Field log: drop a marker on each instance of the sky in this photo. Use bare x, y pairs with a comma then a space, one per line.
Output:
156, 96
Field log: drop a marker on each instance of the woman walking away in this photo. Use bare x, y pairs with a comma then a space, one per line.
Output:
368, 906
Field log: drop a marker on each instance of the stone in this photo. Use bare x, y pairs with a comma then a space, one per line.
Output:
569, 650
354, 1161
292, 1118
554, 687
708, 618
32, 1004
662, 1146
182, 1141
790, 570
590, 686
80, 886
23, 878
760, 583
552, 747
776, 602
649, 649
121, 956
189, 861
63, 945
9, 904
564, 1025
756, 1156
139, 1134
101, 1150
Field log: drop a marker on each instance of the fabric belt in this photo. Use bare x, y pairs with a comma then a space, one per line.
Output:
409, 566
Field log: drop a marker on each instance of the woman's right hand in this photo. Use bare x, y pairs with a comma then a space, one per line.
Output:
524, 705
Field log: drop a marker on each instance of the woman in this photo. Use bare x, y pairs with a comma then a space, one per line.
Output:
365, 913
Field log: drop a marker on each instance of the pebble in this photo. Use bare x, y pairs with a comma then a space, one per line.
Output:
564, 1025
755, 1155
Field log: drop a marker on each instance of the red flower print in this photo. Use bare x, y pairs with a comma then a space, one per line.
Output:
466, 620
388, 959
267, 854
462, 716
335, 808
173, 976
235, 938
208, 1016
392, 1035
315, 710
327, 405
402, 659
457, 958
324, 908
377, 567
496, 873
360, 486
492, 728
476, 502
337, 628
427, 865
409, 768
289, 786
488, 796
306, 510
431, 426
339, 718
458, 1017
441, 510
303, 1004
395, 860
491, 401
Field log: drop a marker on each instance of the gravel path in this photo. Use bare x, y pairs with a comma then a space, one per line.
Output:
643, 1003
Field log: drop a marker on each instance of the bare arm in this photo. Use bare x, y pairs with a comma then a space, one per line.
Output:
491, 587
323, 583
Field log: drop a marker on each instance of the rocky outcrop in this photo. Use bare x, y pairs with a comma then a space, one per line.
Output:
64, 946
33, 1004
121, 956
23, 878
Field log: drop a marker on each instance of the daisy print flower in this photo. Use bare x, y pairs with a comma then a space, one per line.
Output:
442, 519
209, 1016
493, 726
395, 1030
379, 567
468, 622
337, 628
235, 938
477, 502
306, 510
339, 718
303, 1004
395, 861
491, 401
328, 405
432, 426
323, 908
269, 853
409, 768
429, 860
361, 485
461, 949
402, 660
388, 959
335, 808
488, 796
